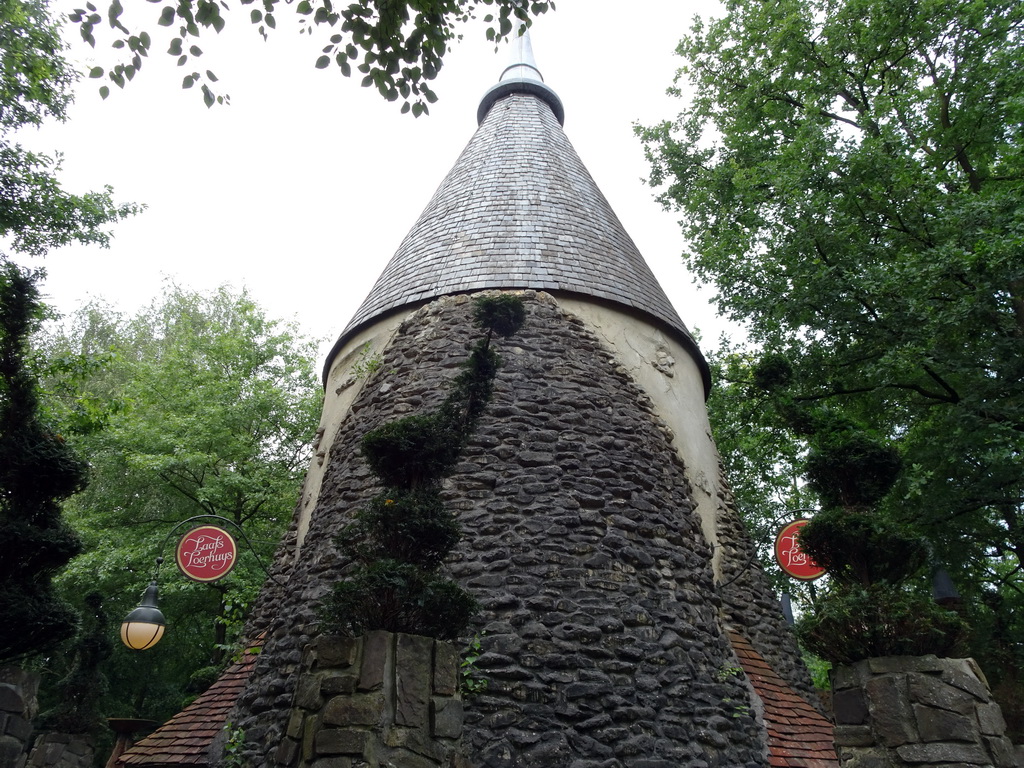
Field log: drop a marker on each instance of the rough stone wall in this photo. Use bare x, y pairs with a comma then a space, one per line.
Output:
750, 606
382, 699
18, 705
62, 750
601, 630
917, 711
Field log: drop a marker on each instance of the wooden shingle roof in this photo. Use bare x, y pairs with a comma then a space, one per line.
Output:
519, 211
186, 739
798, 735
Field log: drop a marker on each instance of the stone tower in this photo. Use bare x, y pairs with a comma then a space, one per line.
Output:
621, 596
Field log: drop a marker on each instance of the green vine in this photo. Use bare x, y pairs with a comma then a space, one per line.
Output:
472, 682
399, 541
234, 747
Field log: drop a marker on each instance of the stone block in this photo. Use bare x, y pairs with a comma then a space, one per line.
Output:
408, 759
335, 652
849, 707
926, 689
846, 676
897, 664
18, 727
413, 680
340, 741
446, 669
891, 716
375, 657
990, 719
935, 754
1001, 751
307, 692
333, 684
357, 709
418, 741
942, 725
287, 752
853, 736
960, 674
863, 758
11, 750
333, 762
11, 700
295, 722
446, 717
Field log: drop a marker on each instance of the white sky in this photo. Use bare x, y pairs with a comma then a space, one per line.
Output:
303, 187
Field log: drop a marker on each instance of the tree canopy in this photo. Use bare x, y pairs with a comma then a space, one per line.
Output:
199, 404
397, 45
851, 178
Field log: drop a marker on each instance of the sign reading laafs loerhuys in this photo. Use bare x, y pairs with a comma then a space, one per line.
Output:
206, 553
791, 558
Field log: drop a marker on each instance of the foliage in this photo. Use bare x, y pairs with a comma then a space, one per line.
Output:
851, 177
82, 689
38, 470
400, 540
397, 45
472, 683
199, 404
856, 622
36, 213
864, 548
234, 746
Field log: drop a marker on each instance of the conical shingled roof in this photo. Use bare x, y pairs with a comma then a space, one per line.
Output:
519, 210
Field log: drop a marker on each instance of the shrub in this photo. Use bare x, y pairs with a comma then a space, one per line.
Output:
855, 622
400, 540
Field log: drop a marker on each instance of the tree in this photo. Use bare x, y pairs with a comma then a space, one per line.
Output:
852, 180
397, 45
199, 404
36, 212
37, 471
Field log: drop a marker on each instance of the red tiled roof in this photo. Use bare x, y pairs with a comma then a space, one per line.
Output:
798, 735
185, 739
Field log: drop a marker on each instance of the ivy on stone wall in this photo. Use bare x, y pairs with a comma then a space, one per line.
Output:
399, 541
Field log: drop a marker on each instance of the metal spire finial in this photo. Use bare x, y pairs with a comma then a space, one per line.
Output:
521, 76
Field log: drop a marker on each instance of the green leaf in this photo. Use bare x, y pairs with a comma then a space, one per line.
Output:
96, 72
323, 62
166, 16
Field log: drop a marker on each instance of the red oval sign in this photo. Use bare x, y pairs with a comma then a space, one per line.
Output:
206, 553
791, 558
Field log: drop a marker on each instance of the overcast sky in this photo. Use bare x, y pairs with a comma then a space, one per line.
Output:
303, 187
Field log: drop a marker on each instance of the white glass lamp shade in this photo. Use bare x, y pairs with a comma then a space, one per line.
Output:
143, 627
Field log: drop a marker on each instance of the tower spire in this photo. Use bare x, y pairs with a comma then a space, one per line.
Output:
522, 75
519, 210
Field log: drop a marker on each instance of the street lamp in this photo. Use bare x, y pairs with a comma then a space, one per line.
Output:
143, 627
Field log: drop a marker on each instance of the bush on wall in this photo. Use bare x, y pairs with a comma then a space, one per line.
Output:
399, 541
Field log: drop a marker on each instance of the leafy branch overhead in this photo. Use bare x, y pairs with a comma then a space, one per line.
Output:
398, 46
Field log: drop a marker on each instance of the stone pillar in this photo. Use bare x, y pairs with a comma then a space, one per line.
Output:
62, 750
917, 711
381, 699
18, 706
